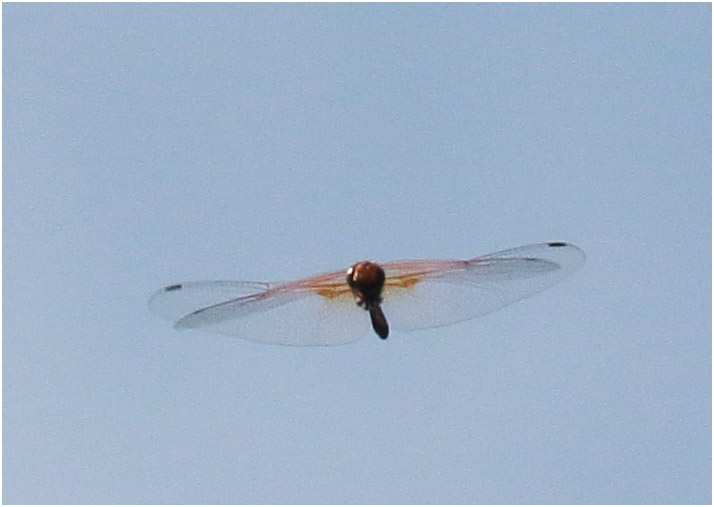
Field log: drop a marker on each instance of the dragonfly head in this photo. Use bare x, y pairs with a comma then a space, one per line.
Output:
366, 280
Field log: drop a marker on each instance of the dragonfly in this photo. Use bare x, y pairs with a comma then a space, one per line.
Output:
340, 307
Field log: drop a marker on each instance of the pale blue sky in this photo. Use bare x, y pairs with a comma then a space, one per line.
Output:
151, 144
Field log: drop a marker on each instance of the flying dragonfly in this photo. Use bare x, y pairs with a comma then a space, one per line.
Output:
337, 308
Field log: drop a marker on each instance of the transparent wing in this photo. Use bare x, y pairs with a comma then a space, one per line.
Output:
425, 294
321, 310
287, 314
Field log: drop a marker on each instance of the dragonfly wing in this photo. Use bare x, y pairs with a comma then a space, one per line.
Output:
321, 310
176, 301
262, 312
454, 291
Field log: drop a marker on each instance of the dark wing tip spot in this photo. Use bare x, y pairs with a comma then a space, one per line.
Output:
557, 243
173, 287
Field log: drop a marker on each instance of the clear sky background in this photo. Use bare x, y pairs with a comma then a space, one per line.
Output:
152, 144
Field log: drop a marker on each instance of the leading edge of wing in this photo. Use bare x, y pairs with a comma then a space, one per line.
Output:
175, 302
532, 260
525, 261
